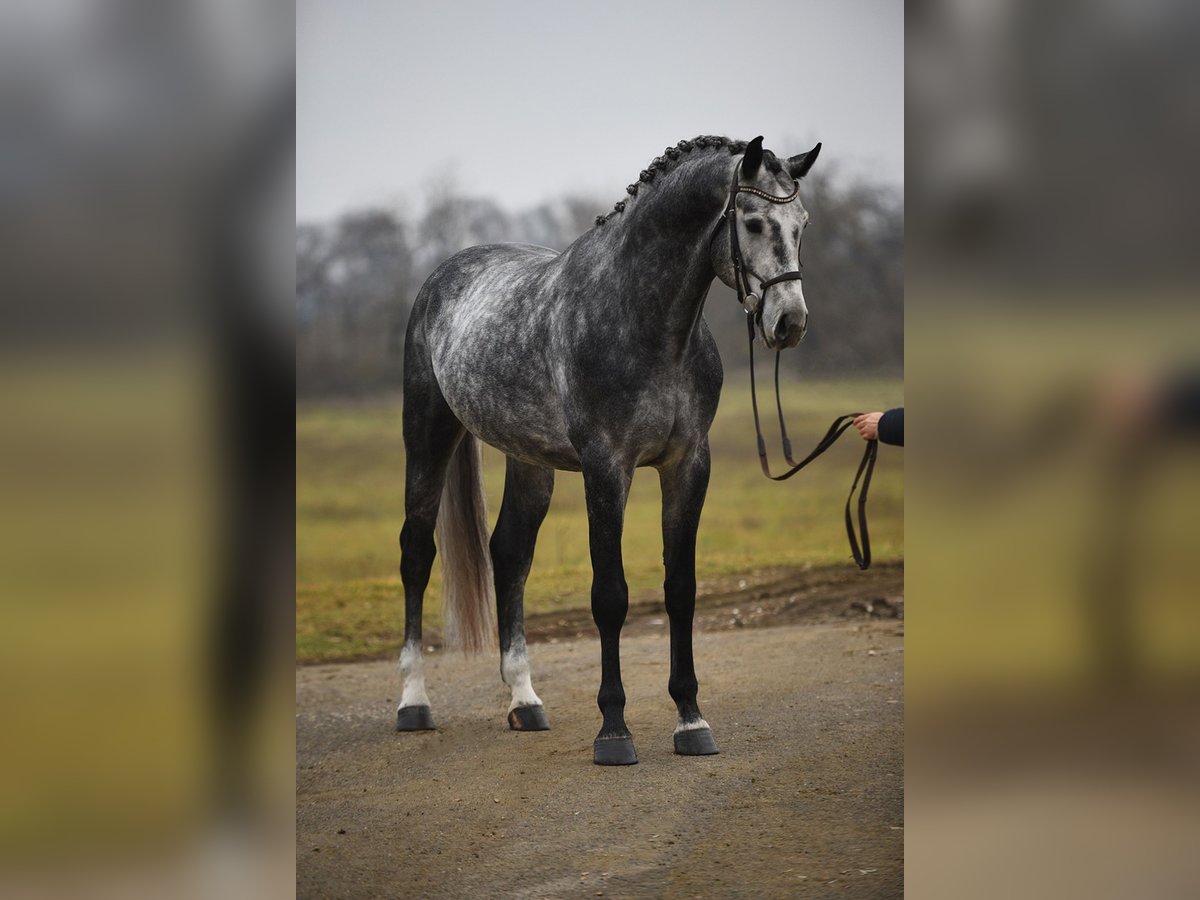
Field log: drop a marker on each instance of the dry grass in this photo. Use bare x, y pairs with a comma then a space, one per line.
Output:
350, 506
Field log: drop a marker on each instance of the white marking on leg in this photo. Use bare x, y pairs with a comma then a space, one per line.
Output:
694, 725
514, 669
412, 667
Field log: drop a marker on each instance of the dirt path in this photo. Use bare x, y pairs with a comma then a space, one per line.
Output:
805, 799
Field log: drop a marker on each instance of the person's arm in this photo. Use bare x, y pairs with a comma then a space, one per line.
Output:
891, 427
1139, 403
882, 426
1179, 404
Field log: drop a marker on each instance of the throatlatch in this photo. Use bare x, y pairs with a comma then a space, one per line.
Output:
753, 304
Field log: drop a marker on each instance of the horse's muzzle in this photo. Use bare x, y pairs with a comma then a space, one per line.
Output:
788, 331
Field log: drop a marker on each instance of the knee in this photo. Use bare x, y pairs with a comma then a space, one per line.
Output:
680, 590
610, 602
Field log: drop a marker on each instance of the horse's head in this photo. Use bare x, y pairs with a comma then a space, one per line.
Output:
769, 220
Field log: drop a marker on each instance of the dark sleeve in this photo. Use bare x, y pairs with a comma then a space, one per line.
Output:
891, 427
1180, 402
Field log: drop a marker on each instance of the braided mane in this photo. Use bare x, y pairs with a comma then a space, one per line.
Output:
671, 157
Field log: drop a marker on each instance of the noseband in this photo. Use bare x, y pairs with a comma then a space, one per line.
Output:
753, 306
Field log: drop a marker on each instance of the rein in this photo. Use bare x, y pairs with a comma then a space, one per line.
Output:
753, 305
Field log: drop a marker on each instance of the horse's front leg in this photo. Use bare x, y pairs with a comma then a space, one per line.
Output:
684, 484
606, 485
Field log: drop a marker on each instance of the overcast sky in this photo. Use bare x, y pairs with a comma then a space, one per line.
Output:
525, 101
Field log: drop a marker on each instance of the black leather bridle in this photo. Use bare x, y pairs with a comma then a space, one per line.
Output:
862, 555
741, 271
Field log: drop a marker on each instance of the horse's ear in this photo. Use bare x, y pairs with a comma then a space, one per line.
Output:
798, 166
753, 157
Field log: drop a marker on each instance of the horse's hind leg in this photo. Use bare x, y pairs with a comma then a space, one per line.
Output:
684, 484
527, 491
431, 435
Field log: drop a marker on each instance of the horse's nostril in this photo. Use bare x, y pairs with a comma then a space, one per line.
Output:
781, 326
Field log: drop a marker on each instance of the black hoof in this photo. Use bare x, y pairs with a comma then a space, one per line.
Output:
695, 742
614, 751
414, 718
528, 718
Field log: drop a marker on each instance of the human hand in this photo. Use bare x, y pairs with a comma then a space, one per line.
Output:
868, 425
1130, 402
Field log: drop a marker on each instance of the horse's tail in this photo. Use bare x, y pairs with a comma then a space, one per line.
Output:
468, 592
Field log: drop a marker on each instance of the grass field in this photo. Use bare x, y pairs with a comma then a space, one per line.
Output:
350, 507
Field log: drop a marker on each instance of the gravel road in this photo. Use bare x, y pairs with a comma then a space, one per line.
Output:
804, 800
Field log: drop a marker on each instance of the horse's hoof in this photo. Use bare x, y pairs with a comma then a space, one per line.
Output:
528, 718
414, 718
614, 751
695, 742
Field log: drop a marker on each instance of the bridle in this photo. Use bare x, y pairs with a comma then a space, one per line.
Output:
753, 305
741, 271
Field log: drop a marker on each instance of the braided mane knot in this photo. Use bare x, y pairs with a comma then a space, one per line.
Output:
668, 160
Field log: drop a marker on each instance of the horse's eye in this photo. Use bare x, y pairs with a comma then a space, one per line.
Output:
754, 226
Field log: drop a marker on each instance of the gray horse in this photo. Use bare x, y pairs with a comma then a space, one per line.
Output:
594, 360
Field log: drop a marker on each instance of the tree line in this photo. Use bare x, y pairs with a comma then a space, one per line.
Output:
357, 277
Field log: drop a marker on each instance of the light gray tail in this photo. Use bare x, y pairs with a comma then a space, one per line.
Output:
468, 591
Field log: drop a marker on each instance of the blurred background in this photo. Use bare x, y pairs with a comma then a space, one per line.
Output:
146, 469
1053, 352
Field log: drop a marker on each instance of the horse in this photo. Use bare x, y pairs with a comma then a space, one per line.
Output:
595, 360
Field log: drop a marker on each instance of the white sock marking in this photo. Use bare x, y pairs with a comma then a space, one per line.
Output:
412, 666
694, 725
514, 669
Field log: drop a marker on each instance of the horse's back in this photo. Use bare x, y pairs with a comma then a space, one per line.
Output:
459, 270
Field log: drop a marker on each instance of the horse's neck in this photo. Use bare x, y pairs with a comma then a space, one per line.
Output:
655, 257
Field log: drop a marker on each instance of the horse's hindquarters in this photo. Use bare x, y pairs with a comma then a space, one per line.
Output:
490, 322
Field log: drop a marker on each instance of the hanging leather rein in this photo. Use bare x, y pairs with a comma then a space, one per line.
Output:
753, 305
